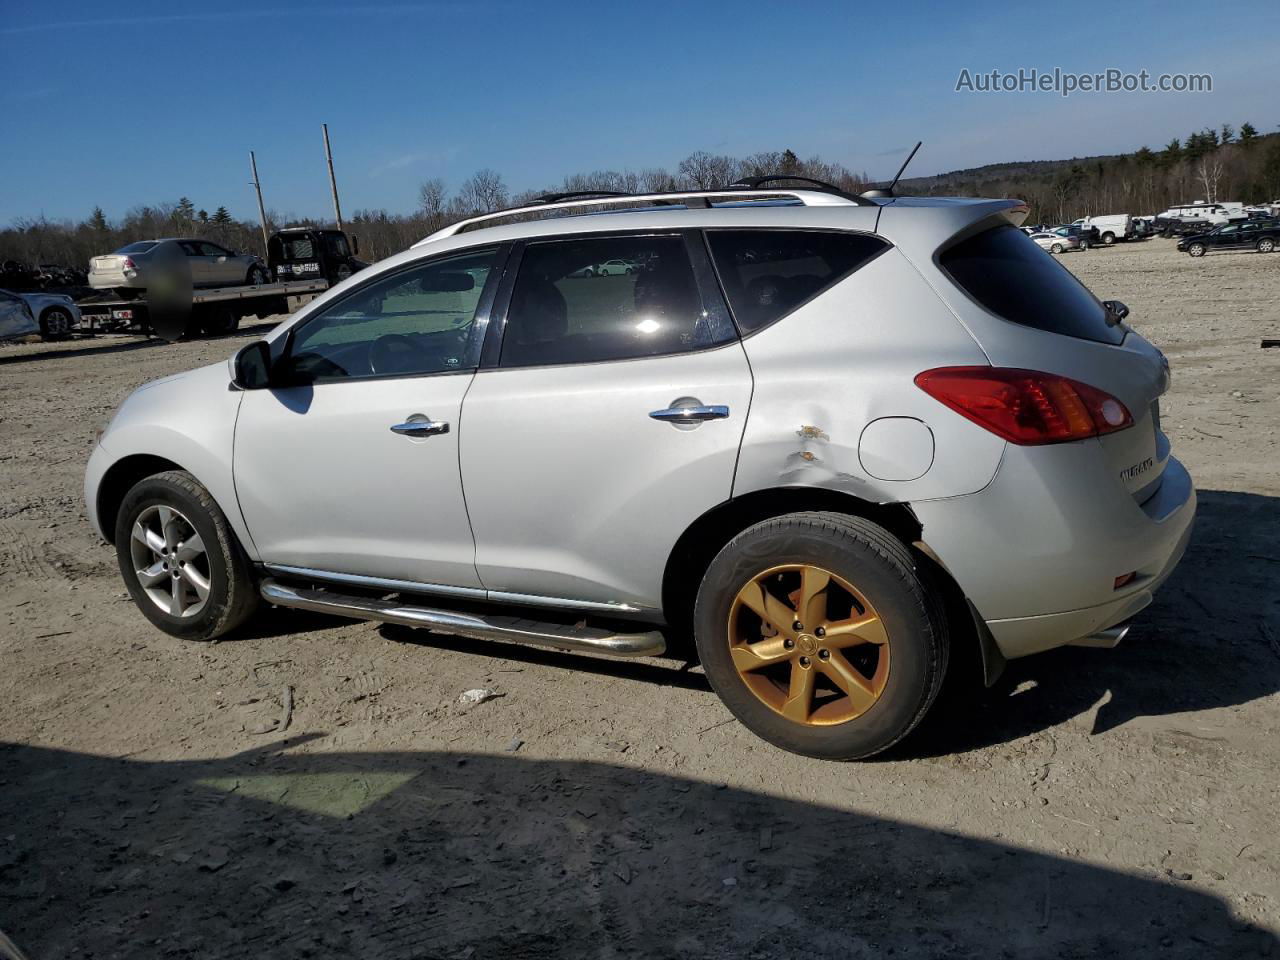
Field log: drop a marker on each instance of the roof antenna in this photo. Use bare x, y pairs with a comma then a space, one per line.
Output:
878, 194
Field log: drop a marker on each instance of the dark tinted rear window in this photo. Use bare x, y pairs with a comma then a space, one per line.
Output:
142, 246
768, 273
1006, 272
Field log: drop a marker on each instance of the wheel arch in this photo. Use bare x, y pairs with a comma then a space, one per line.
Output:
119, 479
973, 650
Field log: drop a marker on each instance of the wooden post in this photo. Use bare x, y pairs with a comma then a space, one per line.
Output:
262, 213
333, 182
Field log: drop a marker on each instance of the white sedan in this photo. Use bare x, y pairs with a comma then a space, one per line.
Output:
52, 315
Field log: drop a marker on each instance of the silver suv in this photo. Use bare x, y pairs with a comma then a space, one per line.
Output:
832, 438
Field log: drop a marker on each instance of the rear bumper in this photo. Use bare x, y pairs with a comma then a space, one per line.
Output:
1038, 551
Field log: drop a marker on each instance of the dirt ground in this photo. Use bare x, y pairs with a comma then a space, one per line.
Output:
1094, 803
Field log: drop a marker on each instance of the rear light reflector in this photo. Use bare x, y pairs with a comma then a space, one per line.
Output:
1026, 407
1128, 578
128, 264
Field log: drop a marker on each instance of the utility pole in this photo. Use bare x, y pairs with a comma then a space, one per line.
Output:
333, 182
262, 213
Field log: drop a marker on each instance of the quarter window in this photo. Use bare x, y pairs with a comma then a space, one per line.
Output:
768, 273
415, 321
607, 298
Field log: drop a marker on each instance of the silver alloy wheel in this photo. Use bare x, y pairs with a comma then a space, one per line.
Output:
170, 561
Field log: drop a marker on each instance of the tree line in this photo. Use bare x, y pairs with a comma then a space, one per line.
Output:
1208, 164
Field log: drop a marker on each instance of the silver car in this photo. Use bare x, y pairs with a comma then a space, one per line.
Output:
52, 315
135, 267
834, 440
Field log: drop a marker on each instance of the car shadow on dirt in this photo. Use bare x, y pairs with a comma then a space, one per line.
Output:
437, 854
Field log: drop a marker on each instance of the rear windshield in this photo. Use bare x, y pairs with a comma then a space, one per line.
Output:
1006, 272
297, 248
142, 246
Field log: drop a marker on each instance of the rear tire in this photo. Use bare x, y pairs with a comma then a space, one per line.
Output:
837, 716
1266, 245
190, 535
221, 321
1056, 248
1108, 239
256, 276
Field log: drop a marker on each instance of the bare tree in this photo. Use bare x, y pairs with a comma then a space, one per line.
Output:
431, 198
1209, 173
703, 171
483, 192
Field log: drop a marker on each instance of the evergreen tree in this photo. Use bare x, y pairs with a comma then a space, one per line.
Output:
185, 210
1248, 134
221, 216
203, 216
790, 162
98, 221
1228, 133
1144, 157
1172, 153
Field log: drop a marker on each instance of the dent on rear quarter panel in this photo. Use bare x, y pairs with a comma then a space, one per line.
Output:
827, 370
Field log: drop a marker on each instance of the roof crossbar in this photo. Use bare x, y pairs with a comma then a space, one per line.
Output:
690, 198
578, 194
754, 183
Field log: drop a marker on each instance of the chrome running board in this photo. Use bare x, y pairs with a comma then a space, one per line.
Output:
458, 624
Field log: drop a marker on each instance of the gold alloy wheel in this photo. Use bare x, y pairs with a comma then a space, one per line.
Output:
808, 645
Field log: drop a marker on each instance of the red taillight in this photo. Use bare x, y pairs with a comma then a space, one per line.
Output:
1026, 406
128, 264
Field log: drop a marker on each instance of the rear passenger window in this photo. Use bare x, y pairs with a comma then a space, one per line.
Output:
1012, 277
608, 298
768, 273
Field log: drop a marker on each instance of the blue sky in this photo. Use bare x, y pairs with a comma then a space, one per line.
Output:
152, 100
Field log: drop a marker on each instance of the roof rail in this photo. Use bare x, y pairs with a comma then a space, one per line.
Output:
692, 198
754, 183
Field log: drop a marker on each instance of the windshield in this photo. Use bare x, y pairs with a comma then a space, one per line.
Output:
142, 246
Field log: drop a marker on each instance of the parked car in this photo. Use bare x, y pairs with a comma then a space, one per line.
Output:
134, 266
1056, 243
52, 315
832, 439
1260, 235
1087, 235
615, 268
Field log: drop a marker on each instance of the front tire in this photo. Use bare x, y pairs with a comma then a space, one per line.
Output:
1196, 250
856, 679
1056, 248
55, 324
180, 559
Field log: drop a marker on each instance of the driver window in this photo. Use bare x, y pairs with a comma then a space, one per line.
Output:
412, 322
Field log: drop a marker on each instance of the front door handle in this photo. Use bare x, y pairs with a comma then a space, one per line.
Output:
420, 428
688, 413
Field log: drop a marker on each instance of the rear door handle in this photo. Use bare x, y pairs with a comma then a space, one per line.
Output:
420, 428
691, 413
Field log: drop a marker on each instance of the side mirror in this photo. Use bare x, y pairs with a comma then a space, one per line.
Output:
252, 366
1116, 311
